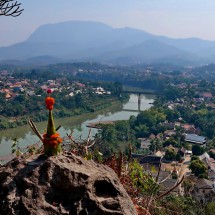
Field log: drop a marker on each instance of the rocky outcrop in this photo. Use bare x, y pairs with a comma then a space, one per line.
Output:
65, 184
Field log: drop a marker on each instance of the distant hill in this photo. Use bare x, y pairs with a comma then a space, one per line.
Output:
150, 51
93, 41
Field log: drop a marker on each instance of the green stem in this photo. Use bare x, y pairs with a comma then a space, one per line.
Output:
51, 126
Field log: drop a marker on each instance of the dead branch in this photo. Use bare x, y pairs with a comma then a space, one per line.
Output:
87, 146
70, 136
81, 146
10, 8
91, 144
58, 127
88, 137
34, 128
165, 178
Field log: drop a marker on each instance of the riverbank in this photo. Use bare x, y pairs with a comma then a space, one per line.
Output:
14, 122
76, 123
26, 137
67, 122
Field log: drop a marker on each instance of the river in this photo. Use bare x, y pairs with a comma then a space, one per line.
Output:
118, 111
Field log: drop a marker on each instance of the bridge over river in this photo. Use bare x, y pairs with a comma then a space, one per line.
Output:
139, 92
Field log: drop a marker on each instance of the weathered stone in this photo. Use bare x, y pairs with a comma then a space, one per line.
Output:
66, 184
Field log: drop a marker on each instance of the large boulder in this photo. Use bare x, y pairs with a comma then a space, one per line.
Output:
65, 184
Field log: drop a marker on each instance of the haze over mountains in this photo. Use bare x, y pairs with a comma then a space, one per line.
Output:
93, 41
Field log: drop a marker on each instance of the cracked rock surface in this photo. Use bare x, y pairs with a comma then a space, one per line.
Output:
66, 184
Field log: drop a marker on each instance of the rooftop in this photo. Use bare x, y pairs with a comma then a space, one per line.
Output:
147, 159
204, 184
193, 138
207, 95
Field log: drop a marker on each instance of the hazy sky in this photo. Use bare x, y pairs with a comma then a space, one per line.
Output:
174, 18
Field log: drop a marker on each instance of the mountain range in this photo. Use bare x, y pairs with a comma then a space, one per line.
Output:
93, 41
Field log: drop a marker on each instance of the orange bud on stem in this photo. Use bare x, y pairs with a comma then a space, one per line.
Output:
49, 103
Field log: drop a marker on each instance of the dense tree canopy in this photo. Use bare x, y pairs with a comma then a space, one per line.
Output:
197, 150
198, 168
